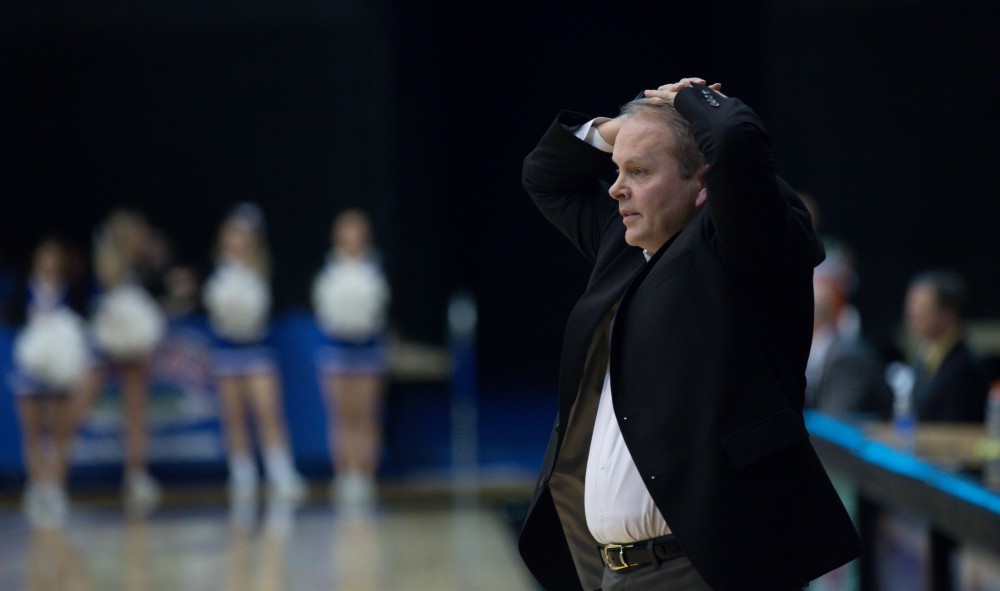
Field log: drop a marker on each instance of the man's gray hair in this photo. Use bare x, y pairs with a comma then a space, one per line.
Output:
684, 146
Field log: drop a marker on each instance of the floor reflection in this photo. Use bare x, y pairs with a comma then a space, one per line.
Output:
357, 554
256, 559
53, 563
277, 547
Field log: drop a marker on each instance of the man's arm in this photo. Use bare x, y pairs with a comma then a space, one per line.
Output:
562, 176
759, 221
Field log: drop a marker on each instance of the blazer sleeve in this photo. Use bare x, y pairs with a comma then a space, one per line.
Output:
758, 220
562, 176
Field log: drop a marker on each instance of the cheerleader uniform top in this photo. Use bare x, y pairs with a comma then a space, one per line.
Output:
351, 298
127, 323
42, 299
238, 301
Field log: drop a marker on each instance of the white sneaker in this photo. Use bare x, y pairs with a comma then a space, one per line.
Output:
353, 491
57, 504
33, 507
243, 487
45, 506
290, 487
142, 491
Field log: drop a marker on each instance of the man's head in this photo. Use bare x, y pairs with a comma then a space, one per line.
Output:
659, 187
833, 281
935, 302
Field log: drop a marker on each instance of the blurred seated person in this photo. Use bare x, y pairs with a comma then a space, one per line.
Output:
951, 382
844, 374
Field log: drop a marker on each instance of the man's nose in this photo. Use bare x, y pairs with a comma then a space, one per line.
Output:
617, 190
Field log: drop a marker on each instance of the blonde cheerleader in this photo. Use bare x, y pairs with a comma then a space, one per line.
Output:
127, 326
238, 299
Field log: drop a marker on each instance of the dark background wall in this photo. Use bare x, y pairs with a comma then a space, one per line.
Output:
885, 111
422, 112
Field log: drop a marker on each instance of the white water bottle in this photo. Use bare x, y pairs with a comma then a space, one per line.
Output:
904, 417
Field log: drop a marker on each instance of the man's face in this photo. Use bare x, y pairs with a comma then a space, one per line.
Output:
924, 317
653, 199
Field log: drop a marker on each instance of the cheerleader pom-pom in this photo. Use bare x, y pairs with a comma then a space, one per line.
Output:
238, 302
52, 349
350, 300
128, 324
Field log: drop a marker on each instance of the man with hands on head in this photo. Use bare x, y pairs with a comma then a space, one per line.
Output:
679, 458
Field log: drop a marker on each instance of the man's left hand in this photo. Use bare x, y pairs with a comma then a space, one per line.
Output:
667, 92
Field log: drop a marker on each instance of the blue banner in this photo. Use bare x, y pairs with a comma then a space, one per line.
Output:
184, 425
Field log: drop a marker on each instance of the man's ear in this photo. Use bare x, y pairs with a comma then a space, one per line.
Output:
702, 192
701, 198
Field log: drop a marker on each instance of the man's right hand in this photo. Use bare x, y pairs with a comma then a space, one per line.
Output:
667, 92
609, 129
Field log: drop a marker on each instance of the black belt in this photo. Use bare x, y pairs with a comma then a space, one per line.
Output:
637, 554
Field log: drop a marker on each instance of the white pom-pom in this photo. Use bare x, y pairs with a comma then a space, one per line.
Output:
52, 349
128, 324
238, 302
350, 299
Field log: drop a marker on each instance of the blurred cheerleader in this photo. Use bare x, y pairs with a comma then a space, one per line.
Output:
127, 326
351, 297
238, 300
50, 357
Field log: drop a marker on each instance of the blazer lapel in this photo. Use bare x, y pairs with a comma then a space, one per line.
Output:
663, 257
605, 290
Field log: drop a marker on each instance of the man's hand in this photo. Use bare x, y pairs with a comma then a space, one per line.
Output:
609, 129
667, 92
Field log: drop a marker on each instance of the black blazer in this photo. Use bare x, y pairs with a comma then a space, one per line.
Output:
957, 391
707, 358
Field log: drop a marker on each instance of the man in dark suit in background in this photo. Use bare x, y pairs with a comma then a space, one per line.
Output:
844, 375
951, 382
679, 459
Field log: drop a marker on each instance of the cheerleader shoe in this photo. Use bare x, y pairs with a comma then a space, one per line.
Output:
45, 506
243, 487
33, 507
353, 491
57, 505
289, 487
142, 491
285, 482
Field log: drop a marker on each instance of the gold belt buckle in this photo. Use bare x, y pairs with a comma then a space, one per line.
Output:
609, 557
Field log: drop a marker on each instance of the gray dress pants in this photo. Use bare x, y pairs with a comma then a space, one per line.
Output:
673, 575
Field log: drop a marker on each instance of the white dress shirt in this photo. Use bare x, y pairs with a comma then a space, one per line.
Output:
617, 504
